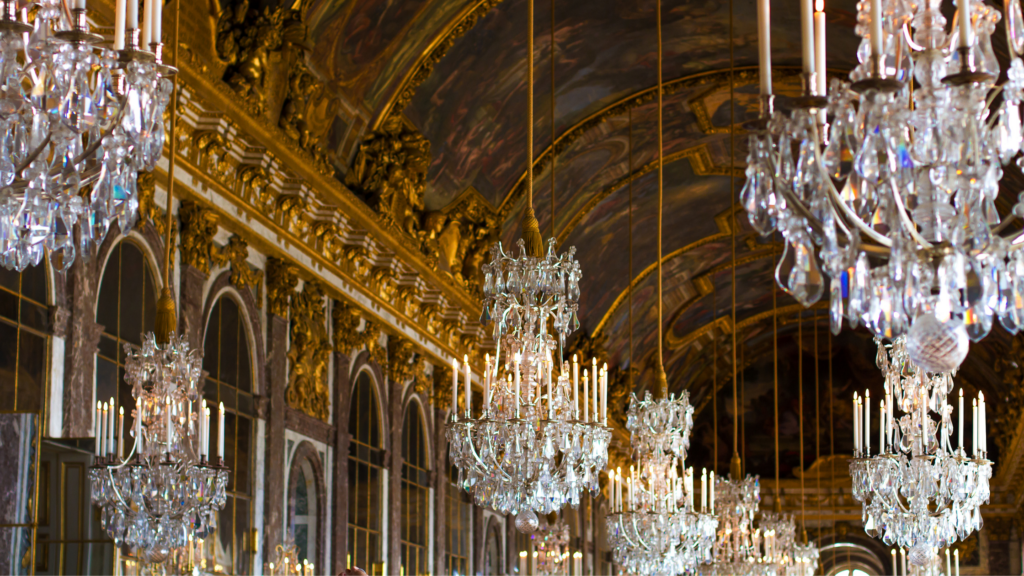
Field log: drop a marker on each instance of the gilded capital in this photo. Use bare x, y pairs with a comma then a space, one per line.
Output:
281, 282
198, 227
243, 276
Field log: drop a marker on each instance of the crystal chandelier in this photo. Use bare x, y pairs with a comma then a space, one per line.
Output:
895, 201
540, 439
551, 548
778, 539
918, 491
660, 527
80, 120
738, 543
167, 488
805, 559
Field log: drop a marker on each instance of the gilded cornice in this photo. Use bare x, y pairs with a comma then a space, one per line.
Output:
215, 156
433, 54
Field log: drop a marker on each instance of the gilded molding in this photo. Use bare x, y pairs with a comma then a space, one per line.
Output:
425, 66
236, 255
198, 227
309, 353
282, 278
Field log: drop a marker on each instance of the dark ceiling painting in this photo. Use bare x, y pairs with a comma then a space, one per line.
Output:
363, 46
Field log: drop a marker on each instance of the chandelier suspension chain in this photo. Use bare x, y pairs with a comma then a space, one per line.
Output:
831, 437
775, 377
629, 241
661, 380
817, 421
714, 372
800, 409
732, 226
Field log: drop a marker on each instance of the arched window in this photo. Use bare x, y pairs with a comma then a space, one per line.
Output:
125, 308
304, 520
228, 364
457, 526
415, 494
23, 329
365, 462
492, 552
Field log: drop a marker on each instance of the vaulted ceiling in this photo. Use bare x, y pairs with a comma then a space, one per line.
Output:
456, 72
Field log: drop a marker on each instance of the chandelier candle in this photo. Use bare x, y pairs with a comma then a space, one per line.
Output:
807, 34
819, 50
220, 434
764, 46
964, 22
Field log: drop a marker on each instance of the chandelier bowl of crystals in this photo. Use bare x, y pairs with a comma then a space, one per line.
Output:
541, 438
551, 547
80, 120
894, 203
658, 526
168, 487
918, 492
738, 543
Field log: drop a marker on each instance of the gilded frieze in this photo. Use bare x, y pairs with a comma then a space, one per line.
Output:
309, 353
282, 278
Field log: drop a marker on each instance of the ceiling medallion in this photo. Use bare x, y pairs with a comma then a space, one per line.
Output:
659, 527
895, 201
81, 121
167, 489
918, 491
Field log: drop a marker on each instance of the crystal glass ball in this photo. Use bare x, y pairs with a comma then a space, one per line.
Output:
937, 346
527, 521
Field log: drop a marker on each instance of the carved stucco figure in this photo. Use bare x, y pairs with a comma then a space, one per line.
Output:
309, 353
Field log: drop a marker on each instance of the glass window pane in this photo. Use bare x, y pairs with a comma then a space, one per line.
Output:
33, 283
9, 305
243, 548
31, 369
243, 438
8, 366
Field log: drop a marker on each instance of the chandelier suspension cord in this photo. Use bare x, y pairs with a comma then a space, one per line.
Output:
831, 437
714, 371
800, 410
661, 378
531, 228
735, 466
775, 376
553, 156
165, 322
817, 420
629, 241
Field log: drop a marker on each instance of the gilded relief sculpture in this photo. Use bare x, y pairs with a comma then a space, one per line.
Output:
310, 350
348, 336
198, 226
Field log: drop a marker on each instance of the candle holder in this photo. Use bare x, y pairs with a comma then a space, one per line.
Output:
877, 81
968, 73
165, 70
132, 51
79, 32
810, 100
10, 21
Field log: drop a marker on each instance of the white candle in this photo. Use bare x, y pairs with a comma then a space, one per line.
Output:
876, 28
960, 425
147, 24
586, 398
903, 560
110, 428
551, 394
105, 447
807, 34
819, 47
629, 490
516, 397
949, 571
604, 395
167, 422
964, 22
983, 439
703, 490
132, 15
867, 422
138, 425
78, 5
575, 387
894, 572
207, 441
220, 431
455, 389
157, 26
881, 428
711, 498
487, 383
764, 45
120, 433
522, 562
119, 22
468, 382
856, 426
98, 429
204, 448
956, 561
974, 427
594, 380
